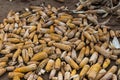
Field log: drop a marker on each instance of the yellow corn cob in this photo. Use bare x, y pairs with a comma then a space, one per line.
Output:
48, 50
72, 63
26, 68
64, 38
51, 43
43, 63
71, 25
84, 62
93, 58
94, 39
84, 71
107, 76
25, 55
100, 59
71, 33
55, 37
31, 35
30, 52
106, 63
42, 41
59, 23
19, 45
18, 31
113, 69
101, 73
87, 35
77, 42
81, 55
38, 27
57, 64
25, 14
80, 45
16, 54
39, 56
35, 39
87, 51
94, 70
13, 40
28, 42
62, 46
49, 65
20, 59
32, 28
65, 18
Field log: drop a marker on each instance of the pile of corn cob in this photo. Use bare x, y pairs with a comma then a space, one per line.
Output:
42, 40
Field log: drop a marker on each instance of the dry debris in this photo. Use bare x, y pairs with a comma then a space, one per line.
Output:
99, 6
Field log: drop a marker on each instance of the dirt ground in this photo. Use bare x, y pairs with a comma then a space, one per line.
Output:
17, 5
